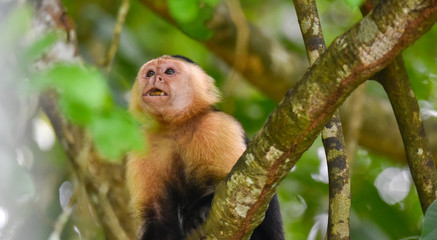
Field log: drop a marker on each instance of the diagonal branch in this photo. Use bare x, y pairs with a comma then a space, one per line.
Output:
368, 47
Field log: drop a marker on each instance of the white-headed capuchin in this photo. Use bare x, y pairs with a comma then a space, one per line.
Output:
192, 147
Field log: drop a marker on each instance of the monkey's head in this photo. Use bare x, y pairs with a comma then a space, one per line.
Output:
172, 89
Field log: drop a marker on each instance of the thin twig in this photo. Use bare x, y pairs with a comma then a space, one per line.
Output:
110, 213
332, 134
121, 18
241, 52
64, 216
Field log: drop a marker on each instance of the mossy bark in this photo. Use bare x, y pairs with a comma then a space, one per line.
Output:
332, 134
293, 126
395, 80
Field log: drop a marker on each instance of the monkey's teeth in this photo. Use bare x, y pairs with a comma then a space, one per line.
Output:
156, 92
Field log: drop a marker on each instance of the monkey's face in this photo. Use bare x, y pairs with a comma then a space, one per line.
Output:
164, 87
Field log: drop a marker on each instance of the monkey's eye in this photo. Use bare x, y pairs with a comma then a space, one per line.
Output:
150, 73
169, 71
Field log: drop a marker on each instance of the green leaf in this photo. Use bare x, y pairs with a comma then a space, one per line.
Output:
76, 112
37, 48
83, 92
81, 85
429, 230
116, 133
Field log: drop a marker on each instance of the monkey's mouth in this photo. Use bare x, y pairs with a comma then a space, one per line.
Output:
154, 92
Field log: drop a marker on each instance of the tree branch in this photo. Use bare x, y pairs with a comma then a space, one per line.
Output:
121, 17
394, 79
332, 134
369, 46
397, 85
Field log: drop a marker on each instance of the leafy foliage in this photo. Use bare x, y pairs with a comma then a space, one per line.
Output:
85, 99
429, 230
84, 96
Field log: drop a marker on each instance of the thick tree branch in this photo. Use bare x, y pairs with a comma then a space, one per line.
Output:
269, 70
91, 171
365, 49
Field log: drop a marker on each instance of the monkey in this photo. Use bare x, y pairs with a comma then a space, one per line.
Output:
191, 148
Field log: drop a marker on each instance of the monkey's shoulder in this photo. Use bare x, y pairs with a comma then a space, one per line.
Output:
220, 119
215, 145
219, 126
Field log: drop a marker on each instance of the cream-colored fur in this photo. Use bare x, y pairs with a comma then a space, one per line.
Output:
207, 142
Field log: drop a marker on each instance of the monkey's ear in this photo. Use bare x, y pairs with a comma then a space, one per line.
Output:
214, 92
207, 93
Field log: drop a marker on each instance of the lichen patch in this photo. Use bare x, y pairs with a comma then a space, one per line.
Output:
241, 210
273, 154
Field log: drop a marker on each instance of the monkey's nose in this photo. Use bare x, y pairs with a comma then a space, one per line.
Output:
160, 79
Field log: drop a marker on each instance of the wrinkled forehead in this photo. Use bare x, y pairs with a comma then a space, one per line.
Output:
162, 62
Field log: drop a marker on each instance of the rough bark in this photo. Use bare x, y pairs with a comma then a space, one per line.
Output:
396, 83
394, 79
365, 49
332, 134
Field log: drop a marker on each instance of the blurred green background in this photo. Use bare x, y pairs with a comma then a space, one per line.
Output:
35, 177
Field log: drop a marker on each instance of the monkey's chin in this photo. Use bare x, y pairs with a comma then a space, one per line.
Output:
156, 101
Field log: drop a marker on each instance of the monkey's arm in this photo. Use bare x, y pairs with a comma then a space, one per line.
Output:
154, 201
209, 153
221, 141
271, 227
